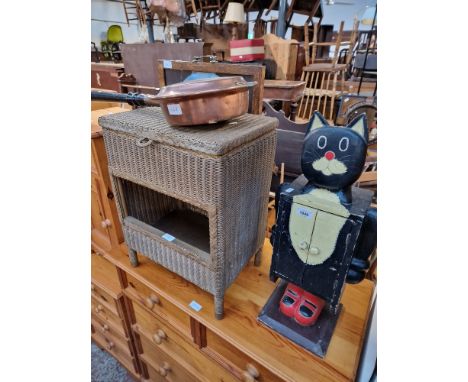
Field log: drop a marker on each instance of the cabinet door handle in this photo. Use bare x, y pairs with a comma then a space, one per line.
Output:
99, 308
159, 336
164, 369
151, 300
106, 223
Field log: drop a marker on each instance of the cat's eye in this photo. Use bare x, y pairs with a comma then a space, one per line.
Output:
344, 143
321, 142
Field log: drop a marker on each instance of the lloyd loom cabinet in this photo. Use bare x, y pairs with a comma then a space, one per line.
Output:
170, 341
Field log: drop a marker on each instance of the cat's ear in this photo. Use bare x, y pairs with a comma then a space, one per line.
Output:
318, 121
359, 125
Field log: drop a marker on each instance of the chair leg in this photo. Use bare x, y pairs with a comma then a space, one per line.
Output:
219, 306
132, 255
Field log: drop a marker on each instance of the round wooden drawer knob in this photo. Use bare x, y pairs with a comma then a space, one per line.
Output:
159, 336
110, 345
105, 328
252, 370
164, 369
99, 308
151, 300
246, 377
106, 223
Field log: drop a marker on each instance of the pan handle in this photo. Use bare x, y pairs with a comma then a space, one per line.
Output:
130, 98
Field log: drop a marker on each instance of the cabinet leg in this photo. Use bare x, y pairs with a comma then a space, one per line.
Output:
258, 257
132, 255
219, 307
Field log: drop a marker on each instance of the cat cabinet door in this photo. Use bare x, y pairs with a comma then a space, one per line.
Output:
301, 227
327, 279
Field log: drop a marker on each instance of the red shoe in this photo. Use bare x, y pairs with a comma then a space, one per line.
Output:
309, 309
290, 300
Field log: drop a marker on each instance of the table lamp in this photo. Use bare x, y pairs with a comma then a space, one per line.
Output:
235, 15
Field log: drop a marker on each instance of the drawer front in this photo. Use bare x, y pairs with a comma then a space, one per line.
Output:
103, 312
199, 365
162, 365
117, 348
162, 334
158, 305
242, 365
104, 298
102, 326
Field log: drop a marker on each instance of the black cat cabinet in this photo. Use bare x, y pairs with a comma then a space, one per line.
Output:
325, 230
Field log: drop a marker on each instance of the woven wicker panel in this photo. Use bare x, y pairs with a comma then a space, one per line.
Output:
171, 259
243, 212
177, 172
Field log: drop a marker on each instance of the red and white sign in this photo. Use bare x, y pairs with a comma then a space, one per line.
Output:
247, 50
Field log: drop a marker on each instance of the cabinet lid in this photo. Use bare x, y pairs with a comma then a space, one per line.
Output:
216, 139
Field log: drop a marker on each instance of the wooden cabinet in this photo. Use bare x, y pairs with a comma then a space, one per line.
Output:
106, 231
110, 327
105, 75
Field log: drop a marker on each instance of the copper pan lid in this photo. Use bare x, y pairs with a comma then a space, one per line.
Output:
202, 87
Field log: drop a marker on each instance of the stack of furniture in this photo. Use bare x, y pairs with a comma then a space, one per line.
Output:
162, 327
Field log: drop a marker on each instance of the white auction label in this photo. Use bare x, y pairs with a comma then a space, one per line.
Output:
174, 109
305, 213
195, 306
168, 237
167, 64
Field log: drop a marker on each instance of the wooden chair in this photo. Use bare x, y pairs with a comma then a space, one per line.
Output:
211, 9
321, 89
191, 8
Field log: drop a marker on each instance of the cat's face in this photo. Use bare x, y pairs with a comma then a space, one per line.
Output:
333, 157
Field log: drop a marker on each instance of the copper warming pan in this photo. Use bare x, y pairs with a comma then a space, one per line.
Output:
194, 102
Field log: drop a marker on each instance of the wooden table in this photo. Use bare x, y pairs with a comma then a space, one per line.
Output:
105, 75
290, 92
243, 301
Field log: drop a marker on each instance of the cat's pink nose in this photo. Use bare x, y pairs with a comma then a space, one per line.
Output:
329, 155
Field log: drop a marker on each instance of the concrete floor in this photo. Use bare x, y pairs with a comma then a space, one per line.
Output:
105, 368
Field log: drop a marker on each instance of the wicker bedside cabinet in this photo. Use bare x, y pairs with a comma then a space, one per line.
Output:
193, 199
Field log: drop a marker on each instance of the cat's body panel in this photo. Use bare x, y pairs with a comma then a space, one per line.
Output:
319, 217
